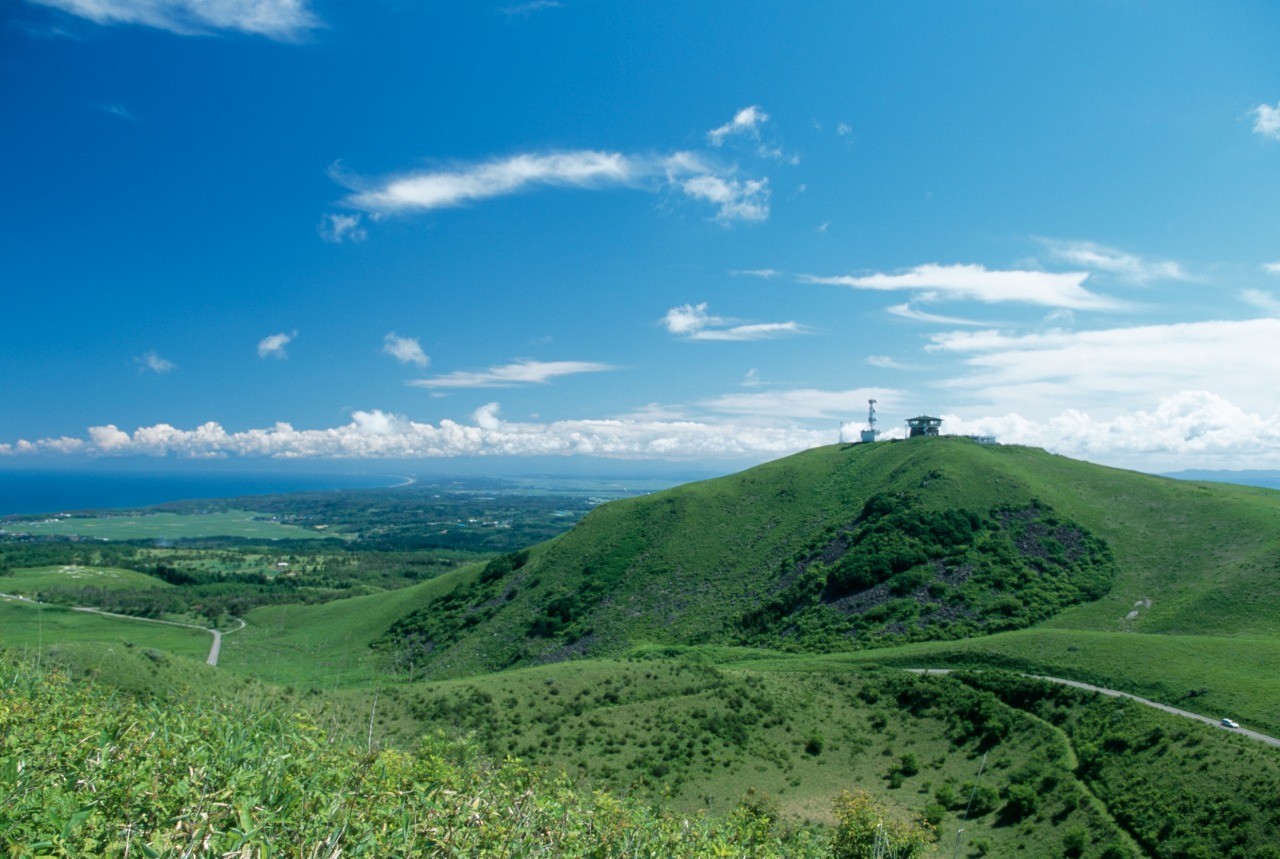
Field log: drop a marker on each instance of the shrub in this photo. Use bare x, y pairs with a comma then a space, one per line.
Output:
865, 829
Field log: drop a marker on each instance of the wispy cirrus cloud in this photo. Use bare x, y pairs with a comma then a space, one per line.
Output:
423, 191
524, 10
1125, 266
1266, 120
406, 350
119, 111
976, 282
693, 322
523, 372
440, 189
151, 361
906, 311
800, 403
275, 19
1261, 299
1271, 267
275, 345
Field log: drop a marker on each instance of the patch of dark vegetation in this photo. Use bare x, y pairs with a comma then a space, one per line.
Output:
903, 572
444, 620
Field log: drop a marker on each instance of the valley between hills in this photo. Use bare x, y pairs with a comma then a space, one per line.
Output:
728, 667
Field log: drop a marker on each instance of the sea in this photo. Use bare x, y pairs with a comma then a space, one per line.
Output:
28, 491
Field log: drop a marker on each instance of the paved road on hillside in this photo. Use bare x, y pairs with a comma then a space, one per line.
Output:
214, 650
1114, 693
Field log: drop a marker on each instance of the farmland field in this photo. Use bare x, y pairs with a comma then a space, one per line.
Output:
167, 526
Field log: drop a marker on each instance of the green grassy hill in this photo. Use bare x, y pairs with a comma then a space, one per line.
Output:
857, 546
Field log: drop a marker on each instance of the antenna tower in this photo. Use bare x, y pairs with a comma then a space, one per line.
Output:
870, 433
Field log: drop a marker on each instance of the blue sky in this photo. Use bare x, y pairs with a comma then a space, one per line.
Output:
660, 231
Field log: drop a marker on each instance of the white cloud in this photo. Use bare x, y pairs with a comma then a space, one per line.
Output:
1187, 429
1123, 265
153, 362
1267, 120
523, 372
745, 122
486, 417
1111, 370
1264, 301
119, 111
447, 188
406, 350
844, 129
752, 379
339, 228
906, 311
1271, 267
275, 19
746, 200
884, 362
382, 435
765, 273
274, 345
693, 322
797, 404
736, 199
977, 282
524, 10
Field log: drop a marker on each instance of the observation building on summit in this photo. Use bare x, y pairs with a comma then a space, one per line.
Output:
923, 425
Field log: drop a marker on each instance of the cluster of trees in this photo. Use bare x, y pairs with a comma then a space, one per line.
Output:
909, 572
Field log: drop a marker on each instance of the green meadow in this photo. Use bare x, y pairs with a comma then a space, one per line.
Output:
31, 628
35, 579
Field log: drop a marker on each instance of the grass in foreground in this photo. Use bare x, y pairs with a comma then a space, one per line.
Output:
84, 772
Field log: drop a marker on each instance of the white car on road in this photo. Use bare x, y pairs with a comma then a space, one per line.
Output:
1230, 723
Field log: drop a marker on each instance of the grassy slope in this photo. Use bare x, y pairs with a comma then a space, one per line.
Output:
681, 566
326, 645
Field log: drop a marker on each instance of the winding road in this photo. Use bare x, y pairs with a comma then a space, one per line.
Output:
1186, 714
214, 650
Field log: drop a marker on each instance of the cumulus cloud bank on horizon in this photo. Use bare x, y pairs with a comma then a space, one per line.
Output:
1189, 428
275, 19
